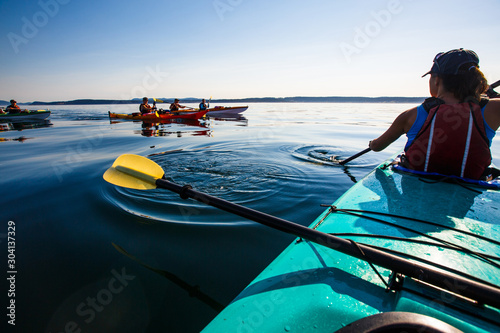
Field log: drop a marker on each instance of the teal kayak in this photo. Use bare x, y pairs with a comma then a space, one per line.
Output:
416, 256
25, 116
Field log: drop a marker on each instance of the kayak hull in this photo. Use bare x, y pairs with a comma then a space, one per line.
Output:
311, 288
219, 111
34, 115
157, 116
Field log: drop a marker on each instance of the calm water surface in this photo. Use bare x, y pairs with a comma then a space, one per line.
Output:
71, 277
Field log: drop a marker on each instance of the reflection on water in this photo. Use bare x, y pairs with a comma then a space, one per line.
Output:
240, 120
20, 139
175, 127
20, 126
182, 127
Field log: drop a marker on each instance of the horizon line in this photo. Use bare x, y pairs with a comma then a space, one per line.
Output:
227, 100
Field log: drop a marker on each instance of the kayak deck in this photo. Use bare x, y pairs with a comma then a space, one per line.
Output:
157, 116
311, 288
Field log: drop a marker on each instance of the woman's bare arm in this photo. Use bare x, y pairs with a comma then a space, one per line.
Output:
400, 126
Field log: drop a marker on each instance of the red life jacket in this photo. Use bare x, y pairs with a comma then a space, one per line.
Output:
452, 141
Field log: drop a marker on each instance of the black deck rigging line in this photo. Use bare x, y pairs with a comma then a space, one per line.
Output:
458, 247
333, 208
428, 262
451, 305
402, 239
370, 263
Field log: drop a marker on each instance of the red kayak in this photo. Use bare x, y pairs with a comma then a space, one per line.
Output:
157, 116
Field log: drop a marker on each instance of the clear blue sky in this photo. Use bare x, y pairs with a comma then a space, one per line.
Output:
68, 49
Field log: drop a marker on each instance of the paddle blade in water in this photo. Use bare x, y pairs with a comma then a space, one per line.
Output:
134, 171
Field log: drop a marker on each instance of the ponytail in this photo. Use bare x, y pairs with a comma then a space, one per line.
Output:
468, 84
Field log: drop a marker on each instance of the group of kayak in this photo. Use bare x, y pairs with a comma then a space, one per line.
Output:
13, 113
182, 114
149, 113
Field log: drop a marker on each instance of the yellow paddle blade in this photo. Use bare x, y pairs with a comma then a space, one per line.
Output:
157, 100
134, 171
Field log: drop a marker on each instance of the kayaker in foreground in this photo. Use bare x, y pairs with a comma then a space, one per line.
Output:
451, 132
145, 107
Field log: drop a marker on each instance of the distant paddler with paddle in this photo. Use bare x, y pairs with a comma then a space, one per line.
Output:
452, 131
176, 107
145, 108
203, 105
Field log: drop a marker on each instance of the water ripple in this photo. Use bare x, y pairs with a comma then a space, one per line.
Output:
330, 155
240, 175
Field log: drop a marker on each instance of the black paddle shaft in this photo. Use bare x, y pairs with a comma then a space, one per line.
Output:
349, 159
482, 292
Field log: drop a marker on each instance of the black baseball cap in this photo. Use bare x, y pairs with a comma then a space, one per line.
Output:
451, 61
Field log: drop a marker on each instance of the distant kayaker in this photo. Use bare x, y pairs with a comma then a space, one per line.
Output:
451, 132
203, 105
13, 107
145, 107
175, 106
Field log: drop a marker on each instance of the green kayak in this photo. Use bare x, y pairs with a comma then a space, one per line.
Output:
25, 116
414, 255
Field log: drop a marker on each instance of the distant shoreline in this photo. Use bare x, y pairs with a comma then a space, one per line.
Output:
297, 99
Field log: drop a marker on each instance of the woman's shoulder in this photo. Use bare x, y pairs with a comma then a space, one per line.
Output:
492, 113
410, 114
493, 105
